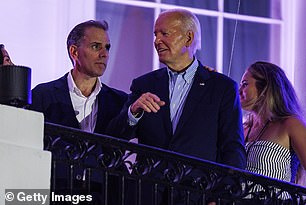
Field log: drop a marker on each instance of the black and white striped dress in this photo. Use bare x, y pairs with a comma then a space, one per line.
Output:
272, 160
269, 159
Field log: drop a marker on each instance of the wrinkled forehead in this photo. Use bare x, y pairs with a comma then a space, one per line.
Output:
167, 21
97, 35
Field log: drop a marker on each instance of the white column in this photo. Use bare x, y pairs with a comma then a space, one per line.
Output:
300, 53
24, 164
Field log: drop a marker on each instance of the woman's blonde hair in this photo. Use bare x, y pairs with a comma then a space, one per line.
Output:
276, 96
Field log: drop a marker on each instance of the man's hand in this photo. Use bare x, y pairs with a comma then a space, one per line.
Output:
147, 102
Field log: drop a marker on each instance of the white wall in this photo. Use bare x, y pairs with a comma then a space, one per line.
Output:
35, 31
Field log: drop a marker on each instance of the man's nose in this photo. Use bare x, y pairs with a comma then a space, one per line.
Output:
104, 52
157, 39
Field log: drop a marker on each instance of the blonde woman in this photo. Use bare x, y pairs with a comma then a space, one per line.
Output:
275, 131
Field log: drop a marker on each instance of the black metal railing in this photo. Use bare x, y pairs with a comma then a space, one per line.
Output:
106, 168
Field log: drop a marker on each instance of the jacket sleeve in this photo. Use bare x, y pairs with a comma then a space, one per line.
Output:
119, 126
231, 150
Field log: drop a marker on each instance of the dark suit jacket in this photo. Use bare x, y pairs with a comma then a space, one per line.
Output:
53, 100
209, 128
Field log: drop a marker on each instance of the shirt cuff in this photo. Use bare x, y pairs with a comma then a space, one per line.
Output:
132, 120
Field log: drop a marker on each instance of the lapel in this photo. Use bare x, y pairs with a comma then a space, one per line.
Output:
162, 91
104, 101
194, 96
64, 101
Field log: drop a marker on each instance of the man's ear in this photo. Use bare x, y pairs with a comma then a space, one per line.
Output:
73, 52
190, 38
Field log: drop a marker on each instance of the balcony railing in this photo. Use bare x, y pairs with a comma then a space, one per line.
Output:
108, 169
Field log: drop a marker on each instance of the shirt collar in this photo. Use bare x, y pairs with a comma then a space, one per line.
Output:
74, 89
188, 74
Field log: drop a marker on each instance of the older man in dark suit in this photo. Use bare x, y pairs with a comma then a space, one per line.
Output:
184, 107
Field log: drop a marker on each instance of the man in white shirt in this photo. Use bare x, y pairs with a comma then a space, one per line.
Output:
79, 99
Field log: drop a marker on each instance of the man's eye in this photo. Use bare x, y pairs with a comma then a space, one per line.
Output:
95, 47
108, 46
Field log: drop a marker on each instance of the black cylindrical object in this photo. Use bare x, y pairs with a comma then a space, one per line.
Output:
15, 85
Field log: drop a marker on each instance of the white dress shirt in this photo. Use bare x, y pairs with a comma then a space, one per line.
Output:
85, 108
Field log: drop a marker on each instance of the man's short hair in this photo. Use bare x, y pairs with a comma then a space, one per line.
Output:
77, 33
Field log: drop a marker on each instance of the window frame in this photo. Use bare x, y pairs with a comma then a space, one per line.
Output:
286, 23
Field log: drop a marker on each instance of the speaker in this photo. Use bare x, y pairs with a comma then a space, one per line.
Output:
15, 86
